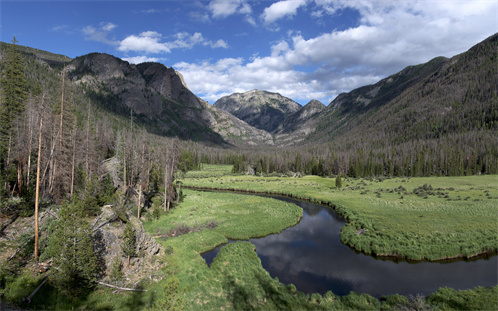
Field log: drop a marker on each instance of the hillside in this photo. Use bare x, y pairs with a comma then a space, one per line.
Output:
429, 101
399, 121
157, 98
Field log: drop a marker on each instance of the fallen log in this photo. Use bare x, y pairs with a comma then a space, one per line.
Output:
20, 248
8, 223
121, 288
28, 299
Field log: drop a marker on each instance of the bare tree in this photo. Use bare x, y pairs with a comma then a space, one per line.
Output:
37, 191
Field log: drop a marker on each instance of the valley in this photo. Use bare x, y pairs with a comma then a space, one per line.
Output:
115, 179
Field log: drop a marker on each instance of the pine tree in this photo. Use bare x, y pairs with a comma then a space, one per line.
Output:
71, 248
338, 181
128, 246
14, 93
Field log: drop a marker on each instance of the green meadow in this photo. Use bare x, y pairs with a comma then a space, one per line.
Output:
424, 218
236, 279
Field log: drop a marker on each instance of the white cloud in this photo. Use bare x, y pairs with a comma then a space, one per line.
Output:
218, 44
225, 8
151, 11
220, 9
281, 9
389, 37
142, 59
150, 42
100, 34
212, 80
145, 42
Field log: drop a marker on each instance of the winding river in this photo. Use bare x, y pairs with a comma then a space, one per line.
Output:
310, 256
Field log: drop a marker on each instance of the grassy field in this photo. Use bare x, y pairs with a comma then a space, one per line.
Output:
430, 218
237, 281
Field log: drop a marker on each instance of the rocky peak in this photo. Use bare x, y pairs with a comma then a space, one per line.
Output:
315, 104
261, 109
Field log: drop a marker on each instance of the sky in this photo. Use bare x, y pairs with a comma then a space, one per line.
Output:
302, 49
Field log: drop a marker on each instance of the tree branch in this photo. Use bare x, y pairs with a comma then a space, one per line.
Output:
121, 288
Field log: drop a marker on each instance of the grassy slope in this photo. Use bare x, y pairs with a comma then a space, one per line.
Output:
458, 217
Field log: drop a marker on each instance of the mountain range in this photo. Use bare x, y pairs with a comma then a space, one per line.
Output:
441, 97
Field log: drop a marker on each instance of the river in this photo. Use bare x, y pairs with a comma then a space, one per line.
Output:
311, 256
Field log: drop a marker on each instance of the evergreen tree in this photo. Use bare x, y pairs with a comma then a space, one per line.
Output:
71, 248
14, 94
128, 246
338, 181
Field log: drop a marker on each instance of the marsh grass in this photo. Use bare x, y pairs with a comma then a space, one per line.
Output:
236, 279
430, 218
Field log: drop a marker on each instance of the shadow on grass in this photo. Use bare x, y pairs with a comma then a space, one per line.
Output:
274, 295
138, 301
238, 295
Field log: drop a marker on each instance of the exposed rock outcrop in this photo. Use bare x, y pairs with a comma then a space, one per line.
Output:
261, 109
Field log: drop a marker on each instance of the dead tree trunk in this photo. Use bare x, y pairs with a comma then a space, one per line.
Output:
37, 193
166, 181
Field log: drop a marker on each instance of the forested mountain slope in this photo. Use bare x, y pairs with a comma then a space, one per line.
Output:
436, 118
441, 97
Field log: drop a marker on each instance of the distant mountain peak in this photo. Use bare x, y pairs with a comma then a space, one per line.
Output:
315, 104
261, 109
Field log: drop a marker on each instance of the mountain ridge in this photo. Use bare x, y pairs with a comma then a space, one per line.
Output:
157, 97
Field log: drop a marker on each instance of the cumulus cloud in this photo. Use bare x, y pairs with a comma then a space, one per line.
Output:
388, 37
100, 33
212, 80
281, 9
145, 42
151, 42
220, 9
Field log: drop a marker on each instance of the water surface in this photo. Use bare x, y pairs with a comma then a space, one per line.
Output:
311, 256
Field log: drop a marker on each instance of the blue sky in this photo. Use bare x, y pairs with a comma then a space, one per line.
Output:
302, 49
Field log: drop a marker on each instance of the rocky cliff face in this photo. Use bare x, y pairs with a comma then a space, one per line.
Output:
158, 99
261, 109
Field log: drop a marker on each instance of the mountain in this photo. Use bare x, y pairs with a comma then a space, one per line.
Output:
261, 109
295, 120
297, 126
443, 97
156, 97
439, 98
40, 56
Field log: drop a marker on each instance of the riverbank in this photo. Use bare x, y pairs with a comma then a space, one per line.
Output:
236, 279
435, 218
